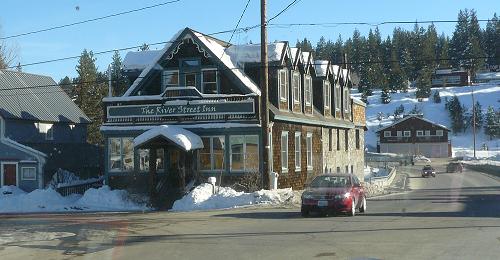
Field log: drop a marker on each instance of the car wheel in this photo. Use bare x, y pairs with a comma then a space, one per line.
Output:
304, 213
363, 206
352, 213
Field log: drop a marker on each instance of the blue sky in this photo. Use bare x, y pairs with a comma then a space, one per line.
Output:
159, 24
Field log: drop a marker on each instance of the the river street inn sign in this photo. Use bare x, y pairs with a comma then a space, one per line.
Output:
192, 108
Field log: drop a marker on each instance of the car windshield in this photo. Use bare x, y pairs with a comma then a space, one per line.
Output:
427, 168
330, 182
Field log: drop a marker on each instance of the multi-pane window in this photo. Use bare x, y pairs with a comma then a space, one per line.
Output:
330, 141
399, 133
308, 89
298, 163
337, 97
338, 139
420, 133
190, 79
170, 78
407, 133
387, 133
427, 132
296, 87
346, 140
284, 151
439, 132
283, 84
121, 154
209, 81
357, 139
28, 173
244, 152
309, 150
327, 96
144, 158
212, 154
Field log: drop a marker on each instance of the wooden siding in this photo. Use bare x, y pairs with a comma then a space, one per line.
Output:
413, 125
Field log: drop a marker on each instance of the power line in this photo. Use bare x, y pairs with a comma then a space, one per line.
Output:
368, 23
89, 20
239, 20
238, 30
235, 68
284, 10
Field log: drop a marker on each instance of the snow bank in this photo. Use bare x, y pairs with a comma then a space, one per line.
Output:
182, 137
201, 198
14, 200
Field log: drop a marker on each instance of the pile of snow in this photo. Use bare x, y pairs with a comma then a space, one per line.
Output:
182, 137
202, 198
64, 178
14, 200
421, 158
372, 172
487, 94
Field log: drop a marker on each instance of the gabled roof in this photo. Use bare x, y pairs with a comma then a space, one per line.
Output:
218, 50
321, 67
138, 60
36, 97
412, 116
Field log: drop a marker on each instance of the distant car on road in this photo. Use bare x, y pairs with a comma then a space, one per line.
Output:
454, 167
334, 193
428, 171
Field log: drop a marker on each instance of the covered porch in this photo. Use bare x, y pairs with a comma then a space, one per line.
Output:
181, 147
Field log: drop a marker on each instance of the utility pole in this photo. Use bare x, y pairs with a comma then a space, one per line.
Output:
110, 89
473, 117
264, 106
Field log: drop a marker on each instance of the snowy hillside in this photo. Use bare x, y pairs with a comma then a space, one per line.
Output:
486, 94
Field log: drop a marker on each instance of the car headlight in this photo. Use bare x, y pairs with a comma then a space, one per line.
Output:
343, 196
307, 196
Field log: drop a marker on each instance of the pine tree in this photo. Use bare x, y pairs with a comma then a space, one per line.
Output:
492, 41
89, 90
458, 41
443, 50
118, 80
144, 47
320, 50
474, 50
457, 116
479, 115
423, 83
492, 123
66, 84
436, 97
305, 45
386, 96
399, 111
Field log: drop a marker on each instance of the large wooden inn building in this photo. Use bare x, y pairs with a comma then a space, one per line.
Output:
192, 112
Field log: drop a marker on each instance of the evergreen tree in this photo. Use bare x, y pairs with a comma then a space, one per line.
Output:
89, 90
436, 97
458, 41
338, 51
443, 50
474, 49
492, 41
144, 47
119, 82
321, 49
479, 115
67, 85
457, 116
492, 123
398, 113
423, 83
304, 45
416, 110
386, 96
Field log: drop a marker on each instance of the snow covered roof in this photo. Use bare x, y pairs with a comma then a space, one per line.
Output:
335, 71
488, 76
412, 116
345, 74
251, 52
138, 60
183, 138
359, 102
305, 55
229, 58
220, 52
321, 67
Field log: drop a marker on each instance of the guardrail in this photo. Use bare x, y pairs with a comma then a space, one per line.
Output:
80, 188
377, 185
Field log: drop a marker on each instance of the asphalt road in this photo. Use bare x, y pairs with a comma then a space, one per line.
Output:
452, 216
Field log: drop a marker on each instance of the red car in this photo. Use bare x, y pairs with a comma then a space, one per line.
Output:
334, 193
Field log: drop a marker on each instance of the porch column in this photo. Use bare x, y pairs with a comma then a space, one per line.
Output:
152, 176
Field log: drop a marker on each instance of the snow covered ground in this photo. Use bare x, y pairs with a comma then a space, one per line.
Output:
202, 198
371, 172
486, 94
14, 200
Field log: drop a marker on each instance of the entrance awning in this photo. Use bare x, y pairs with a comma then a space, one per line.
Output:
179, 136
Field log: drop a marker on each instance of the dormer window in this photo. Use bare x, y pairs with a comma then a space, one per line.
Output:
327, 96
283, 84
308, 89
296, 87
170, 78
209, 81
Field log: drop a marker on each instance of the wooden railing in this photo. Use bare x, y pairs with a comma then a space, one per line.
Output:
80, 188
